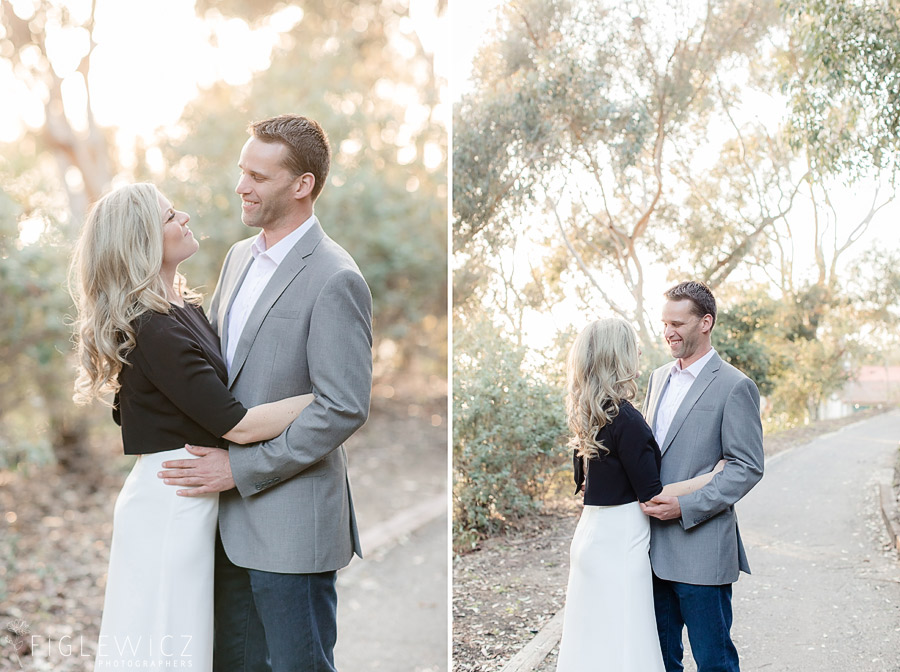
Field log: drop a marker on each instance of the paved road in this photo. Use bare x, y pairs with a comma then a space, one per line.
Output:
825, 593
392, 608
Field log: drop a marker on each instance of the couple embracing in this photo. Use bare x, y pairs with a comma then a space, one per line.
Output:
665, 480
238, 512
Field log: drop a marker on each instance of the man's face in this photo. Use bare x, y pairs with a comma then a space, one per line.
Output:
685, 332
265, 186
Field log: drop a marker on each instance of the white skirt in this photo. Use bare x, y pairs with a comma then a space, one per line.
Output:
609, 624
158, 610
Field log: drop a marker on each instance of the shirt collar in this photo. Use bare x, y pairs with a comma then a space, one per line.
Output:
694, 369
280, 250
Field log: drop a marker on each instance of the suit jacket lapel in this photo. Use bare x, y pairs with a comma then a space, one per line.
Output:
707, 375
223, 330
287, 270
657, 393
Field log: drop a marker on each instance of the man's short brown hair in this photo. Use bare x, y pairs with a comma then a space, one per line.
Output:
700, 296
306, 141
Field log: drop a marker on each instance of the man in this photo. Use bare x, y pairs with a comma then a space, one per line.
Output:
294, 316
701, 410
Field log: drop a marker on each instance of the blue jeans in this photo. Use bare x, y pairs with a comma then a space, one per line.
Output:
706, 610
269, 622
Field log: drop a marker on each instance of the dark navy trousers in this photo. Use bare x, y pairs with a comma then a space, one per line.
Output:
706, 611
269, 622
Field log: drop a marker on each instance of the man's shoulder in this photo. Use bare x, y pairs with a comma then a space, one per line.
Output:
730, 372
730, 378
333, 258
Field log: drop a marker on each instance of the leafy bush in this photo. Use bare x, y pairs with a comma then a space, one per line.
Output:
509, 433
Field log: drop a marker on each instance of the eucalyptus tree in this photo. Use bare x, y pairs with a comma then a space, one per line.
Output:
580, 113
843, 80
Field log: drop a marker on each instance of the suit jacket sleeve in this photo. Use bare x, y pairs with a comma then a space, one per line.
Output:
742, 448
339, 351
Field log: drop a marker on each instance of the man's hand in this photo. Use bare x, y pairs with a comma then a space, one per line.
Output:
211, 472
662, 507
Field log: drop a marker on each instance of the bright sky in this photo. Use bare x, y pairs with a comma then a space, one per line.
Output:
470, 20
154, 55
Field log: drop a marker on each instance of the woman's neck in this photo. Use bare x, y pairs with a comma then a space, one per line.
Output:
173, 295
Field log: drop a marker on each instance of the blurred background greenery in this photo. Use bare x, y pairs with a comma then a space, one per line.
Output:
81, 81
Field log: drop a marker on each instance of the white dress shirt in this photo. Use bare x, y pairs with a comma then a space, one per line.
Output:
680, 381
262, 268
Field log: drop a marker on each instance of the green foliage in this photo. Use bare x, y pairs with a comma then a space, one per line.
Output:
744, 335
358, 68
36, 410
844, 83
875, 280
509, 433
811, 370
390, 216
798, 351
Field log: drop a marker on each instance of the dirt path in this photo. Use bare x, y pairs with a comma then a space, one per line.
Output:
392, 612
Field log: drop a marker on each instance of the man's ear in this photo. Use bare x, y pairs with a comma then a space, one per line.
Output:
304, 186
706, 323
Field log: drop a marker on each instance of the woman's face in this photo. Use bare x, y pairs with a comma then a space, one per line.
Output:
178, 241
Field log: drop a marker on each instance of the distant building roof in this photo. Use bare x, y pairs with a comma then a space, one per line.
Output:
873, 385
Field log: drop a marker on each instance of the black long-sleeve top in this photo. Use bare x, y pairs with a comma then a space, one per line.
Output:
174, 388
630, 471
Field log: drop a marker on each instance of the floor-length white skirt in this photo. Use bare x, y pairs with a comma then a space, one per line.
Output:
609, 624
158, 610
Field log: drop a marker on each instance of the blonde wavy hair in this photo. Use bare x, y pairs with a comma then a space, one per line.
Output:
115, 278
602, 370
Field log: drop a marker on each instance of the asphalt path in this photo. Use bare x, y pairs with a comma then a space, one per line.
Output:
392, 607
824, 594
825, 591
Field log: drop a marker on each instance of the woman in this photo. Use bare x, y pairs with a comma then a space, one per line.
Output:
609, 620
141, 334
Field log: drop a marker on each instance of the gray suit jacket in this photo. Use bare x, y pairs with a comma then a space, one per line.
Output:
718, 418
310, 331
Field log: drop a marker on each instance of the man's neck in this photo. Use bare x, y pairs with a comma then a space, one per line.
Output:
278, 232
697, 356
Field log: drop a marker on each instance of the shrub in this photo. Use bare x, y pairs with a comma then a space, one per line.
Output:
509, 433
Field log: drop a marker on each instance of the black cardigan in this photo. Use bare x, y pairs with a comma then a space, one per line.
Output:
630, 471
173, 389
